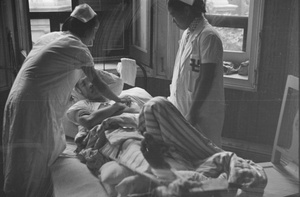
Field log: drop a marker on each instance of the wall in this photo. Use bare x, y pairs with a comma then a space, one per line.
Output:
253, 116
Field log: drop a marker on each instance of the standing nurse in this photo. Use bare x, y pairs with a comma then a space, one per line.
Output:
197, 85
32, 134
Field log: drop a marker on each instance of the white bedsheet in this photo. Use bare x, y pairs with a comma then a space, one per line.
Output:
71, 178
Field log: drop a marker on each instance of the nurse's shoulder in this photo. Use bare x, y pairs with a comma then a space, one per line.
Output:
48, 38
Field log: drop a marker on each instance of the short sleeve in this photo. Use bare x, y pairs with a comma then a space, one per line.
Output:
211, 49
85, 57
78, 51
77, 110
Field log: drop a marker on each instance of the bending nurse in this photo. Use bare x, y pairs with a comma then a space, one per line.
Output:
197, 84
32, 133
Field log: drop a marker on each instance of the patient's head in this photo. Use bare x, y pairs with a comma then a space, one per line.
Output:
88, 90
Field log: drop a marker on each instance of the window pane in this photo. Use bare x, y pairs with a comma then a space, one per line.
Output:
232, 38
228, 7
50, 5
231, 18
140, 24
39, 27
102, 5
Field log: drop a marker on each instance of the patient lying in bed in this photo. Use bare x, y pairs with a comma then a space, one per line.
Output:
153, 143
91, 117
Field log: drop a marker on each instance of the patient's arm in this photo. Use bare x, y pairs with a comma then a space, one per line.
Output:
89, 120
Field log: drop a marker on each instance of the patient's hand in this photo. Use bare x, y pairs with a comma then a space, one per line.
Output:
119, 108
126, 100
133, 108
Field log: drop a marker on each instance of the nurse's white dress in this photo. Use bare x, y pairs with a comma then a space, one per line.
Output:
204, 44
33, 136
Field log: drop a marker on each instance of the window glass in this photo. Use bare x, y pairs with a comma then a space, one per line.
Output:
228, 7
229, 17
39, 27
50, 5
140, 24
232, 38
140, 47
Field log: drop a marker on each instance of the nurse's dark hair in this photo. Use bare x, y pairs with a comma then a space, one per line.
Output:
198, 6
78, 27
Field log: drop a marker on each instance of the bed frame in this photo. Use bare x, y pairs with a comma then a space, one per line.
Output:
72, 178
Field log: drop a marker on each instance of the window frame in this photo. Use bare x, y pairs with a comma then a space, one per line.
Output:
252, 51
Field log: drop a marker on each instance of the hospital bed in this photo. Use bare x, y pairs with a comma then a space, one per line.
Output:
71, 177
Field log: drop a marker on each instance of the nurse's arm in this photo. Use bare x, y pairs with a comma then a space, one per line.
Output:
202, 88
102, 87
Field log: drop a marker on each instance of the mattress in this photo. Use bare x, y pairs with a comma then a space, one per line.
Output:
73, 178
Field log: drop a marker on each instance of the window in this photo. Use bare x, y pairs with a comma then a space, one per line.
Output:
140, 47
50, 5
111, 41
239, 24
47, 16
39, 27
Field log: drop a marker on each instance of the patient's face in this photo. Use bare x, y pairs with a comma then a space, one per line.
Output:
87, 89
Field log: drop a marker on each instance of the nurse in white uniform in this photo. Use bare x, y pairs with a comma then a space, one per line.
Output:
32, 134
197, 84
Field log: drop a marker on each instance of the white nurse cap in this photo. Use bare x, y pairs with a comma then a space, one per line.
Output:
83, 12
189, 2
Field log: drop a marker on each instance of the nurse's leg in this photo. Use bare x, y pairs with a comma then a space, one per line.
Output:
25, 160
164, 122
26, 172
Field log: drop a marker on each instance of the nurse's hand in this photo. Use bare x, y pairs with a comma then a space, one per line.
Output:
126, 100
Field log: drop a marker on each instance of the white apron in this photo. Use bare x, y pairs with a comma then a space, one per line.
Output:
32, 134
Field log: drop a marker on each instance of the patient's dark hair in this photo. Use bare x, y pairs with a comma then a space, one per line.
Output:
198, 7
78, 27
